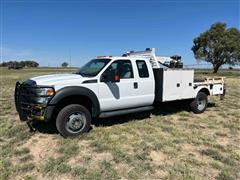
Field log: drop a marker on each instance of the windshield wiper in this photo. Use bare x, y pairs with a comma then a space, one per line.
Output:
85, 75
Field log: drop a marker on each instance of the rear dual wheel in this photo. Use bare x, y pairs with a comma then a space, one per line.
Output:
199, 104
73, 120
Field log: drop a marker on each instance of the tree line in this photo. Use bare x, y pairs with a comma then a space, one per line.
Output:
19, 64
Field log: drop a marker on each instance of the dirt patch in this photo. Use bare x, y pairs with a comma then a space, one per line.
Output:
157, 157
207, 172
223, 141
89, 157
173, 118
41, 146
188, 147
160, 174
63, 177
36, 176
195, 152
102, 156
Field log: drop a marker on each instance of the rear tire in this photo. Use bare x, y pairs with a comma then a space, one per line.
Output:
199, 104
73, 120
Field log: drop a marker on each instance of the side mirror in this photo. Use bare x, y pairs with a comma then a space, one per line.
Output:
116, 77
110, 77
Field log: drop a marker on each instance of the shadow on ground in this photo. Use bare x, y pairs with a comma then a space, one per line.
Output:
161, 109
45, 127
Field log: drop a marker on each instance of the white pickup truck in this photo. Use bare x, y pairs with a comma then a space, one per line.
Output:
109, 86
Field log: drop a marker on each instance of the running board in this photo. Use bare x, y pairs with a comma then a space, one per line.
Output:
124, 111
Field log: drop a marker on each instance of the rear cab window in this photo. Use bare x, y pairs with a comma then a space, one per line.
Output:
142, 69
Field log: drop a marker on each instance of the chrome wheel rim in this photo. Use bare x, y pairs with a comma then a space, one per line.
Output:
76, 122
201, 103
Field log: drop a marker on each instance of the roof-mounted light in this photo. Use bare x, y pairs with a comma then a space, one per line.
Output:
101, 57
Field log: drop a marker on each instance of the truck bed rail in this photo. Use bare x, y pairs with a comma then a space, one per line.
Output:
210, 80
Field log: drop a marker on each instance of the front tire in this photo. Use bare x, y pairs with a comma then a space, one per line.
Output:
73, 120
199, 104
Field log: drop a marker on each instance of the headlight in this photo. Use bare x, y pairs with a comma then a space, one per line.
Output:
45, 91
44, 94
42, 100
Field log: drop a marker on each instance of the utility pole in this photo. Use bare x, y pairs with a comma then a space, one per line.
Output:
70, 58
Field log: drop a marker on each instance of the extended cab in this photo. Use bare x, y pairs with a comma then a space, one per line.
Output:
109, 86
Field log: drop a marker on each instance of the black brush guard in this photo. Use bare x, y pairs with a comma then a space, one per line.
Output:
26, 99
23, 115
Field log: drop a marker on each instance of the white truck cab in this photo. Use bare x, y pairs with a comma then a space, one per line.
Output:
108, 86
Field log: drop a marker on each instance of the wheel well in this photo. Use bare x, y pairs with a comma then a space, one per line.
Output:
76, 99
205, 90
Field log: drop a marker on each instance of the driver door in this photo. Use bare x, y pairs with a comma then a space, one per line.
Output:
117, 95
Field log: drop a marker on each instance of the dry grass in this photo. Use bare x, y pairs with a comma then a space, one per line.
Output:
168, 143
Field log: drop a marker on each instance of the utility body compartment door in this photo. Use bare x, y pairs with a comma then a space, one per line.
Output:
171, 85
187, 78
217, 89
177, 84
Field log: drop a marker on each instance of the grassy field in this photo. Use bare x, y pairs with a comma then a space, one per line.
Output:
167, 143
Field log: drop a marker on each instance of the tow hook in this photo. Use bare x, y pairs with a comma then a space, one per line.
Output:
30, 125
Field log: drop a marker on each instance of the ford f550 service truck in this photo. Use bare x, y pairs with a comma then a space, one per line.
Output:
109, 86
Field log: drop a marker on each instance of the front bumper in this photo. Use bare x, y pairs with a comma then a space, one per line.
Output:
27, 102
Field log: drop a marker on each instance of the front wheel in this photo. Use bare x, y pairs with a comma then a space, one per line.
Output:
73, 120
199, 104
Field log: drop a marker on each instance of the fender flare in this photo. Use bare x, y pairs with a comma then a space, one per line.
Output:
77, 91
205, 90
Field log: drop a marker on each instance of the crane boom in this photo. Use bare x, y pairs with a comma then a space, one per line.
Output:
156, 61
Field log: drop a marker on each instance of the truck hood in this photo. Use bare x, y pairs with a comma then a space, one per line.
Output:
58, 79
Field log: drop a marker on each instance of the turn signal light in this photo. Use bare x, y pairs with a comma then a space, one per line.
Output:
50, 92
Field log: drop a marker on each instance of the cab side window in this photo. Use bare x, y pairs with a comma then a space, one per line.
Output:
142, 69
122, 67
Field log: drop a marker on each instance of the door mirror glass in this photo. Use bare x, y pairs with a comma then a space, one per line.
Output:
116, 77
110, 76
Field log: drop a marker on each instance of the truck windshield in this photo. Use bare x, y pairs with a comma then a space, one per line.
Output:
93, 67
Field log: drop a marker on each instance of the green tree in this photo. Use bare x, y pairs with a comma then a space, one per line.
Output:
64, 64
218, 45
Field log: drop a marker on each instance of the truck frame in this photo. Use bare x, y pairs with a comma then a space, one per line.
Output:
109, 86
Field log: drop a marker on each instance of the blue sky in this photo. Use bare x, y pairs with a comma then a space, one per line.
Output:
49, 31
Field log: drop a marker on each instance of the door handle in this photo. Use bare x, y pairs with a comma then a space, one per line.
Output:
135, 85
